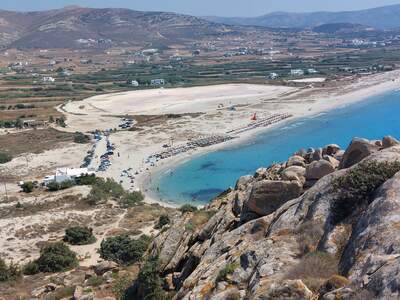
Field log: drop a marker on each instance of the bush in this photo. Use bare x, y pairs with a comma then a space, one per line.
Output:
225, 272
31, 268
148, 284
104, 189
5, 158
56, 257
27, 187
162, 221
187, 208
95, 281
54, 186
124, 250
356, 187
8, 272
86, 180
131, 199
120, 286
79, 236
81, 138
314, 269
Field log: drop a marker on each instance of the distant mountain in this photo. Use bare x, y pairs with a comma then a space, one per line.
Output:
382, 18
74, 27
341, 28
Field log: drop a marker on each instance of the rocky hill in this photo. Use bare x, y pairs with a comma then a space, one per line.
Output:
322, 225
82, 27
382, 17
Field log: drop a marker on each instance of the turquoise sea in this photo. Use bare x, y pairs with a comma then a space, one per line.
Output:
202, 178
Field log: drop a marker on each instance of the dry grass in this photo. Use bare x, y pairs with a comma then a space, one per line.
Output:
33, 141
314, 269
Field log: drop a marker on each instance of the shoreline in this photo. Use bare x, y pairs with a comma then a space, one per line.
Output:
361, 95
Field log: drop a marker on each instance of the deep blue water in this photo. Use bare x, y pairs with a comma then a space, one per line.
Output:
202, 178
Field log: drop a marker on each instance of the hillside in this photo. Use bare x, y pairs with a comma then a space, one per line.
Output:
382, 18
75, 27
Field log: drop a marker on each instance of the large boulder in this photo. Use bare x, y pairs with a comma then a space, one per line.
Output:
243, 182
294, 173
357, 151
267, 195
296, 160
318, 169
104, 267
389, 141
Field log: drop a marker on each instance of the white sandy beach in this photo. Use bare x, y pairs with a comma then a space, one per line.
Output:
101, 112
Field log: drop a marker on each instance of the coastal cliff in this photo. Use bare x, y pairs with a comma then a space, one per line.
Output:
322, 225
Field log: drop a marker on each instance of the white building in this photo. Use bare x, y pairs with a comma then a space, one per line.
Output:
48, 79
297, 72
273, 76
65, 174
134, 83
157, 82
312, 71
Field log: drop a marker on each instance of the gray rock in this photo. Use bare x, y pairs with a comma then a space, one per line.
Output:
332, 160
243, 182
389, 141
104, 267
357, 151
294, 173
317, 155
296, 161
266, 196
318, 169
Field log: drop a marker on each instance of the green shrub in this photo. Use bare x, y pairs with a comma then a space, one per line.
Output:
102, 190
56, 257
148, 284
187, 208
54, 186
86, 180
162, 221
356, 187
120, 286
124, 250
95, 281
27, 187
131, 199
31, 268
8, 272
81, 138
79, 236
5, 158
226, 271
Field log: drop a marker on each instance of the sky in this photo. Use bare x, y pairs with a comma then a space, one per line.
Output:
242, 8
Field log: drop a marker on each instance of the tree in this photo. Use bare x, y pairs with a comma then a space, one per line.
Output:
131, 199
56, 257
124, 250
79, 236
27, 187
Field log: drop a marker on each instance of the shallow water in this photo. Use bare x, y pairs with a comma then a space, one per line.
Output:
202, 178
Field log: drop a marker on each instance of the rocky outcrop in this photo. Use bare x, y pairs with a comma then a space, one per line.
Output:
318, 169
358, 150
266, 196
280, 239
